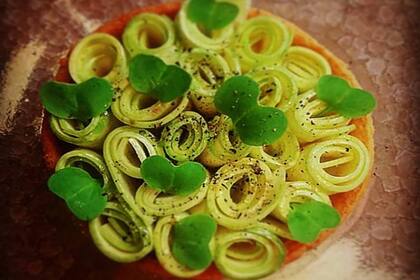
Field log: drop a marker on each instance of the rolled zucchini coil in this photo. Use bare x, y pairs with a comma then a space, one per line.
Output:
298, 192
277, 87
305, 66
282, 153
248, 254
309, 124
142, 111
91, 162
125, 149
162, 239
120, 234
156, 205
209, 70
192, 36
99, 55
275, 226
335, 165
185, 137
262, 40
89, 134
151, 34
224, 145
244, 192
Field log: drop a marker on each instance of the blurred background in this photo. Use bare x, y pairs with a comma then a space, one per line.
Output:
379, 39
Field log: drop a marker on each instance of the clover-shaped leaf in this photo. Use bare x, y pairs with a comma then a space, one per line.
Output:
191, 238
151, 76
211, 14
77, 101
343, 99
308, 219
256, 125
159, 173
82, 193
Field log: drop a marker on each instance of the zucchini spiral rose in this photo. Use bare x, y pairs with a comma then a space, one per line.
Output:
120, 234
192, 36
87, 134
248, 254
156, 203
185, 137
91, 162
99, 55
335, 165
305, 66
151, 34
209, 70
282, 153
262, 40
143, 111
224, 145
298, 192
309, 123
162, 240
277, 88
125, 149
244, 192
275, 226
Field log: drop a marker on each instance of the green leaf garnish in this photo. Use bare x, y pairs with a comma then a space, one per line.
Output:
307, 220
159, 173
343, 99
256, 125
191, 238
151, 76
211, 14
77, 101
82, 193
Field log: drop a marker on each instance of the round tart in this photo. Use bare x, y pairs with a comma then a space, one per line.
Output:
249, 190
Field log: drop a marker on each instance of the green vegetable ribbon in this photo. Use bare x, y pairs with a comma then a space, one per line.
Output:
143, 111
243, 193
308, 126
99, 55
262, 40
264, 253
152, 34
224, 145
335, 165
185, 137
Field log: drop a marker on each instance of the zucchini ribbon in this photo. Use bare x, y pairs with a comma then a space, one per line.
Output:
298, 192
185, 137
155, 203
162, 239
244, 192
152, 34
308, 123
143, 111
224, 145
99, 55
282, 153
192, 36
125, 149
248, 254
118, 232
277, 87
208, 70
261, 40
90, 134
305, 66
334, 165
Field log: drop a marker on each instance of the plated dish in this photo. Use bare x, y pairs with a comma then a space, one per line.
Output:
207, 144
